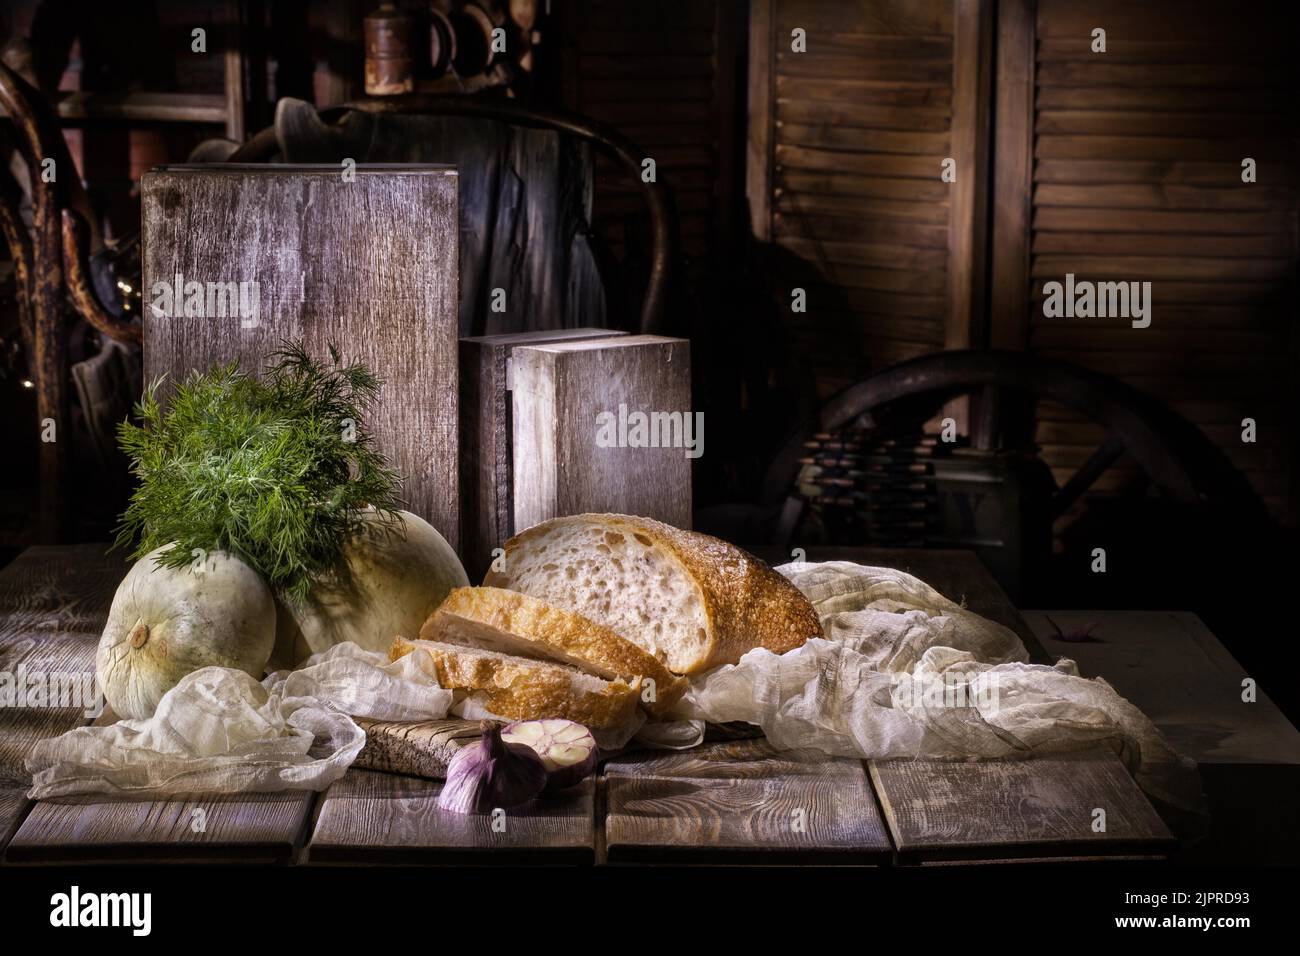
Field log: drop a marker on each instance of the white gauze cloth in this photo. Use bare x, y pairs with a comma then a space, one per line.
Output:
904, 672
901, 672
220, 731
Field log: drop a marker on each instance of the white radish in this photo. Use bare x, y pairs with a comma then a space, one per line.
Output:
568, 750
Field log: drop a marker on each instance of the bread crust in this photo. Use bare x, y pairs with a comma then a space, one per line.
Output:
746, 603
523, 689
597, 649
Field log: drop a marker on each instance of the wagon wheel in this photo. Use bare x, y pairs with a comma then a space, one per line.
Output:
1175, 456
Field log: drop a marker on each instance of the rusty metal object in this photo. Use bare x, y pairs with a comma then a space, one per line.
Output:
262, 146
389, 68
20, 251
39, 138
76, 239
442, 42
471, 52
1178, 459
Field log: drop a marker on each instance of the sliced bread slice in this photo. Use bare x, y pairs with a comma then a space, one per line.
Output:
689, 599
522, 688
515, 623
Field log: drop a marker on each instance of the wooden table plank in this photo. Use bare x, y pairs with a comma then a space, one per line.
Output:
1038, 808
54, 601
249, 828
1169, 664
1009, 805
741, 802
372, 817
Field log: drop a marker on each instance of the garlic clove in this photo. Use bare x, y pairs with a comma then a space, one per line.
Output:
567, 749
492, 774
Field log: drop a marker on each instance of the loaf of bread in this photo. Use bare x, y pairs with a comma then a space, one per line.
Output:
690, 600
521, 688
513, 623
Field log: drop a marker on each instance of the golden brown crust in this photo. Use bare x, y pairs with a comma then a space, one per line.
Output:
523, 689
746, 603
593, 647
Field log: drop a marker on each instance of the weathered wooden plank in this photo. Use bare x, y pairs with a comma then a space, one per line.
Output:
1226, 173
1011, 809
834, 229
904, 72
1208, 222
368, 265
741, 801
846, 184
1159, 98
864, 140
1101, 73
559, 393
1169, 665
1113, 147
972, 76
1152, 246
249, 828
908, 18
1164, 196
862, 164
1127, 49
53, 604
372, 817
13, 807
1159, 267
487, 510
1143, 123
1013, 139
419, 749
863, 92
796, 204
850, 255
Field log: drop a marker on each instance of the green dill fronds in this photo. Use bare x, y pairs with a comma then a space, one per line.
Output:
277, 471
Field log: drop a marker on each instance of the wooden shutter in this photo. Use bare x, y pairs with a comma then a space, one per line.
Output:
844, 161
660, 73
1126, 165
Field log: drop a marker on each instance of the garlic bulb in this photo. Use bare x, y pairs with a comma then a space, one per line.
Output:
568, 750
491, 774
166, 622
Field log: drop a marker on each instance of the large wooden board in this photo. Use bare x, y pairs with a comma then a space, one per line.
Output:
558, 392
1042, 808
368, 265
487, 500
372, 817
249, 828
741, 802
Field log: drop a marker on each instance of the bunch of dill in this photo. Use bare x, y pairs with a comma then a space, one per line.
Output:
277, 470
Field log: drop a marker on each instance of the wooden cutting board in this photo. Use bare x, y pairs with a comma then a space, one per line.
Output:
367, 264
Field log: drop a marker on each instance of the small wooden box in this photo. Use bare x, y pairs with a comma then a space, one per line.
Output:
578, 442
368, 264
487, 508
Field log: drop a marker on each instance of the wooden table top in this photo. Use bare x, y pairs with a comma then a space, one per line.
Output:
725, 802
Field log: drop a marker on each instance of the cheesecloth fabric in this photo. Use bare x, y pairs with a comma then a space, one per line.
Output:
901, 671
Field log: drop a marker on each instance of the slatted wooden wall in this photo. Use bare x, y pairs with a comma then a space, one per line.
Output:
660, 73
846, 142
1135, 174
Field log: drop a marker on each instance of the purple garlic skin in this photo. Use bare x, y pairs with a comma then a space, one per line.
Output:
492, 774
